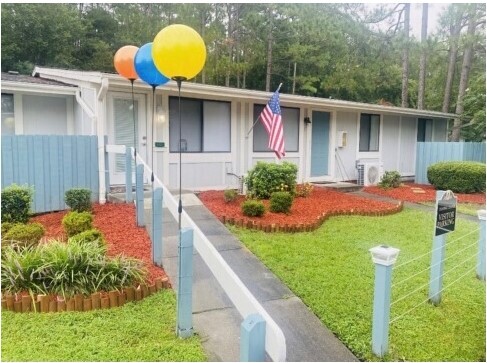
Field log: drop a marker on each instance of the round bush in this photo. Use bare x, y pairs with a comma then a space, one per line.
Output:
230, 195
253, 208
77, 222
89, 236
281, 202
390, 179
458, 176
265, 178
24, 235
16, 201
78, 199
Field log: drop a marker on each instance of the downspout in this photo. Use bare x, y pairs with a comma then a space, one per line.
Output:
100, 132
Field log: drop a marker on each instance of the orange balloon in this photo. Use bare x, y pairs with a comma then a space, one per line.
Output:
124, 61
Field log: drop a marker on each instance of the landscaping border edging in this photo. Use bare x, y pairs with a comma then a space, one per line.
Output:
79, 302
305, 227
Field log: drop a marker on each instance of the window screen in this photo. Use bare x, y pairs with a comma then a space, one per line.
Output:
369, 132
205, 125
290, 119
8, 120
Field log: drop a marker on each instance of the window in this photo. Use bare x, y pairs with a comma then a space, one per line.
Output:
8, 120
290, 120
205, 125
369, 132
425, 129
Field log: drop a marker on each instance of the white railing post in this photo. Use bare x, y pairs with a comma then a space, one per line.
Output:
139, 194
384, 258
481, 251
252, 339
128, 176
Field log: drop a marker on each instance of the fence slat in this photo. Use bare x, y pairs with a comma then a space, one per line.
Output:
51, 165
428, 153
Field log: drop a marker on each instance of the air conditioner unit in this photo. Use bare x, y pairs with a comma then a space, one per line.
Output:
369, 172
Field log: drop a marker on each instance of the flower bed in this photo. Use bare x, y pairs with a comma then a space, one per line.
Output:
306, 213
410, 192
117, 223
118, 226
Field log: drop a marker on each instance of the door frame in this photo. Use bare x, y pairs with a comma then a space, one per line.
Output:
331, 146
117, 178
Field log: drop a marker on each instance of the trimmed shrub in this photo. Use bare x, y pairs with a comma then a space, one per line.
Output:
16, 201
24, 235
230, 195
89, 236
458, 176
390, 179
253, 208
281, 202
265, 178
6, 226
78, 199
77, 222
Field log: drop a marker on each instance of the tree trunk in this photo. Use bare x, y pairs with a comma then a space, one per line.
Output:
422, 60
405, 58
452, 60
466, 65
269, 54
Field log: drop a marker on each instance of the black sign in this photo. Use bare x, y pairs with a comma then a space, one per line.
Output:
445, 216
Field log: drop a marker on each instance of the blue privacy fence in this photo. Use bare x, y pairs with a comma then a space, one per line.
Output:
51, 165
428, 153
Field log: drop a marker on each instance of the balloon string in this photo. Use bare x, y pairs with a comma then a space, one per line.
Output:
135, 139
152, 137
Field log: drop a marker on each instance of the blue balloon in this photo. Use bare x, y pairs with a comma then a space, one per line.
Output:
145, 68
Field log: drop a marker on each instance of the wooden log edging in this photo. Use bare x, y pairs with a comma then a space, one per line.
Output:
310, 226
107, 300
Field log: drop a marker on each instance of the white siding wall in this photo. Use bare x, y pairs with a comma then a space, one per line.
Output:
346, 156
390, 142
407, 153
44, 115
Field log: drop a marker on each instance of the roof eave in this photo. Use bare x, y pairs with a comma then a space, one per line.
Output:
14, 86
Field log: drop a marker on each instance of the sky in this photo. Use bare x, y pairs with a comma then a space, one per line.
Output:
434, 10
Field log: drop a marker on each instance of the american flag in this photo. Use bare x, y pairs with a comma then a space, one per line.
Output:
272, 121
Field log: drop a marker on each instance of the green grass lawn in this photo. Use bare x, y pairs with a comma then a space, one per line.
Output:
142, 331
331, 270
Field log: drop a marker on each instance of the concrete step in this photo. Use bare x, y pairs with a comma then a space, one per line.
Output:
343, 187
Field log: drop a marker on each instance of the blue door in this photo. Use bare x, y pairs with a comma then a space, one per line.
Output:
320, 134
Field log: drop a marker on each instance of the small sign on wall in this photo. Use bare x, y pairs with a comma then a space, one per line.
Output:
446, 210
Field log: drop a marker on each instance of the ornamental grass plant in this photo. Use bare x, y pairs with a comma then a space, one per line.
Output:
67, 269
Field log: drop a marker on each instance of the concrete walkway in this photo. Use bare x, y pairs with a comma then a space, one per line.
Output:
215, 318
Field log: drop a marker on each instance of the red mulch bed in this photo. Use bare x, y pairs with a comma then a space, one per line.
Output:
117, 223
406, 194
304, 211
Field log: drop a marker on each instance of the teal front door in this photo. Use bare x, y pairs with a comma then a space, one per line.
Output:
320, 134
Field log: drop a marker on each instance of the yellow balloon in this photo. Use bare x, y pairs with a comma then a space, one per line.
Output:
179, 52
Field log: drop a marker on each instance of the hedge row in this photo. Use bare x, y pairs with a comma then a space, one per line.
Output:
98, 300
305, 227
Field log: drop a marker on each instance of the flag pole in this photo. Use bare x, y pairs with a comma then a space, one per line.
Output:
258, 117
